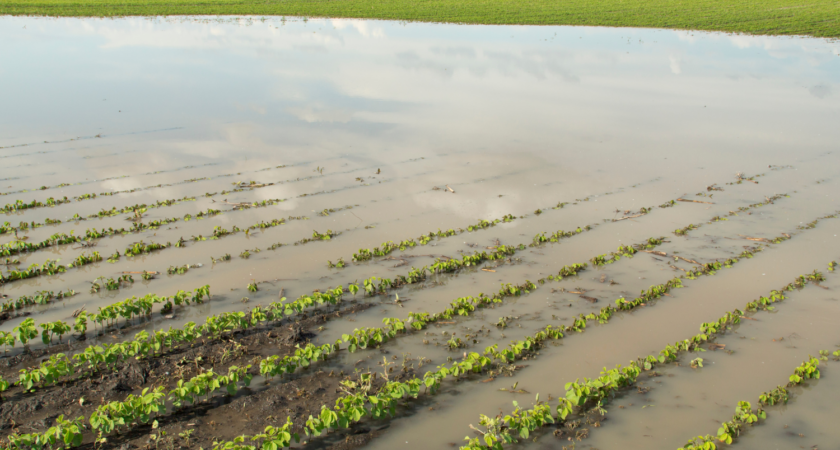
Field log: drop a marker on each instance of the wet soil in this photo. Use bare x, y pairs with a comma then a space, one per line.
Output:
114, 384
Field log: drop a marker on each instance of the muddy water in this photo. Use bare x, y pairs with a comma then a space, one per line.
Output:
759, 354
366, 128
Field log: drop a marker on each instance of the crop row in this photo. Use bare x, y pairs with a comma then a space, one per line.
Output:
107, 316
215, 325
150, 403
595, 392
416, 275
23, 226
364, 337
136, 227
111, 284
768, 201
387, 247
371, 337
52, 267
20, 205
61, 185
39, 298
95, 356
373, 285
17, 247
114, 211
304, 356
359, 403
49, 267
376, 336
745, 416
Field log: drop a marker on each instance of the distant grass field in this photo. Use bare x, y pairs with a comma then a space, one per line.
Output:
777, 17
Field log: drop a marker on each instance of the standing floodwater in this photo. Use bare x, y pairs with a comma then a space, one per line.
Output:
354, 208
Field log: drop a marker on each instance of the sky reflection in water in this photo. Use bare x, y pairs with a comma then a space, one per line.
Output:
230, 88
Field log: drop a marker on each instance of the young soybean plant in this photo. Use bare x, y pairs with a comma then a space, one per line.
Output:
65, 434
25, 332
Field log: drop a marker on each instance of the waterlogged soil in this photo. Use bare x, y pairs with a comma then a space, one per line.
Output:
370, 132
81, 395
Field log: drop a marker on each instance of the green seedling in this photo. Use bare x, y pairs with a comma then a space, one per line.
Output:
697, 362
339, 265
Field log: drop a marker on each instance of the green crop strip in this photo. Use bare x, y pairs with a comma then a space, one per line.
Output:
19, 205
139, 248
95, 356
772, 17
59, 365
135, 227
365, 337
417, 275
359, 403
39, 298
19, 246
462, 306
49, 267
376, 336
111, 284
388, 247
595, 392
214, 325
23, 226
769, 200
135, 209
61, 185
744, 415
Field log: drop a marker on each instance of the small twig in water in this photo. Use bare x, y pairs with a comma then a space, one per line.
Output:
628, 217
693, 201
687, 260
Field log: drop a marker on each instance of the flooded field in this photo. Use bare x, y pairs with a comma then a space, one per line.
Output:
270, 233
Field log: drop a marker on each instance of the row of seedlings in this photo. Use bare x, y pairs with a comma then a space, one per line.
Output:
366, 336
276, 310
744, 414
387, 247
376, 336
95, 357
415, 275
373, 336
304, 357
595, 392
394, 327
